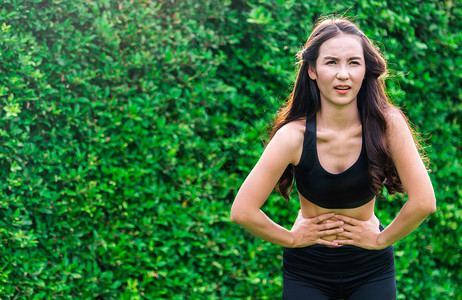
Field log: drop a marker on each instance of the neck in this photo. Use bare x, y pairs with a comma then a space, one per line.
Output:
339, 118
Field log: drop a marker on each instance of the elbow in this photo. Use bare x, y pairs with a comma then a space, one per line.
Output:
236, 216
431, 205
423, 202
428, 207
428, 210
239, 215
431, 208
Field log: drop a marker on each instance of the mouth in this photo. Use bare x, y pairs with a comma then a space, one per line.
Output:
342, 87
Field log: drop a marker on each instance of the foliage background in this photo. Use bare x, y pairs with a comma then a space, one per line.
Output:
126, 128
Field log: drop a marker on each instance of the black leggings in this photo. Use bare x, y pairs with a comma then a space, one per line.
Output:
318, 272
383, 289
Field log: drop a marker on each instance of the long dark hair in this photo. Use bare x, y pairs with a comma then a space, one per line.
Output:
304, 102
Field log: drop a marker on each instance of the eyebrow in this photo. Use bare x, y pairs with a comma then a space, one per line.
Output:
335, 58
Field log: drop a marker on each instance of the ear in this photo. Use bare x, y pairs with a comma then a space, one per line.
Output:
311, 72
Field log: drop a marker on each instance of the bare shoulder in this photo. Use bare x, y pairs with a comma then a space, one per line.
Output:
395, 120
294, 131
398, 129
290, 137
399, 136
291, 134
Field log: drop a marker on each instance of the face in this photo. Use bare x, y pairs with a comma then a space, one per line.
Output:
340, 70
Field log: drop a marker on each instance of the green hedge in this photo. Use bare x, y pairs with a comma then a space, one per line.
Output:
126, 128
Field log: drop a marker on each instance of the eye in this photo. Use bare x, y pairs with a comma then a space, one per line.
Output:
355, 63
331, 62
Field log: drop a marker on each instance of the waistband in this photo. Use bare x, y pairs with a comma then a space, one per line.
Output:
335, 260
322, 259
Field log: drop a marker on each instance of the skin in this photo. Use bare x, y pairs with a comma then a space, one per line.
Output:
340, 62
339, 129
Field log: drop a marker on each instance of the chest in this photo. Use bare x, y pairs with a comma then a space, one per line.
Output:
337, 152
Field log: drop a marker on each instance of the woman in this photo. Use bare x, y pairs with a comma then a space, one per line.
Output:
342, 141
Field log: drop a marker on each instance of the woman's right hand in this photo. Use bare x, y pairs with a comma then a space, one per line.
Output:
307, 232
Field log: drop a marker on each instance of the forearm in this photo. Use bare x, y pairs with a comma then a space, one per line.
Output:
409, 218
259, 225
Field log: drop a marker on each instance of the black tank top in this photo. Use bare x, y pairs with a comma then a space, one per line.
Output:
348, 189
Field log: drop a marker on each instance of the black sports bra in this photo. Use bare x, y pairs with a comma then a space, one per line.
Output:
348, 189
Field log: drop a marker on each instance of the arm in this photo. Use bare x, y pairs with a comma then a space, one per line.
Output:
414, 177
416, 182
284, 149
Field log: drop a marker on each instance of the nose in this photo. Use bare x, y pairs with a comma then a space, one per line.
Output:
342, 73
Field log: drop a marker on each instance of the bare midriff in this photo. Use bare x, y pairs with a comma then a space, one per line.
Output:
311, 210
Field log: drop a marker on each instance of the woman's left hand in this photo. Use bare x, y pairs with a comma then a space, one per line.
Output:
359, 233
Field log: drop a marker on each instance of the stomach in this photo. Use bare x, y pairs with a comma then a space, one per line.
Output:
310, 210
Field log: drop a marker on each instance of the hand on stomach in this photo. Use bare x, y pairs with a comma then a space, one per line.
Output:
332, 236
311, 210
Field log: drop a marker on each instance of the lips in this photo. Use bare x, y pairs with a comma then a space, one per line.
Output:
342, 87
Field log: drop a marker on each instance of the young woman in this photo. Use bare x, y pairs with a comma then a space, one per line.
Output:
342, 141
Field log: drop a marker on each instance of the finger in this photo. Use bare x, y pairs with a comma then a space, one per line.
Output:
348, 227
347, 235
344, 242
330, 225
346, 219
327, 243
323, 217
330, 232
